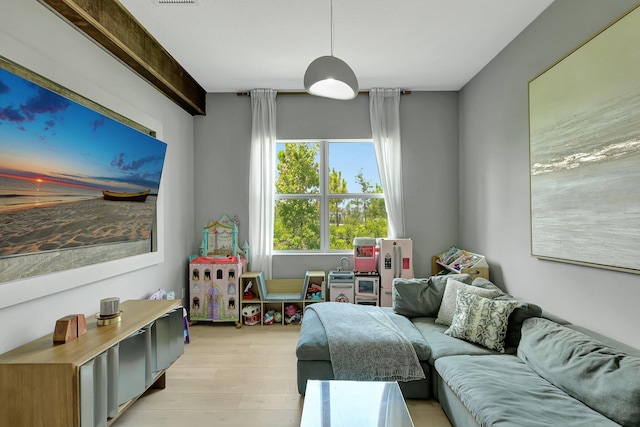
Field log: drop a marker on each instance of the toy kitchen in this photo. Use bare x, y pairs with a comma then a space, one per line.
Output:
341, 286
349, 287
376, 262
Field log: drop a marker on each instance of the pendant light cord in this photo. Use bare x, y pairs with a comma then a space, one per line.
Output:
332, 32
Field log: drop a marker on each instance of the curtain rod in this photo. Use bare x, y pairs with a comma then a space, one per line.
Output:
247, 93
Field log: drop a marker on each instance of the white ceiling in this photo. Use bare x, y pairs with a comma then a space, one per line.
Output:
237, 45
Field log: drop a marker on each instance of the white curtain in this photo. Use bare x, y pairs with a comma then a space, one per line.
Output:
261, 179
384, 110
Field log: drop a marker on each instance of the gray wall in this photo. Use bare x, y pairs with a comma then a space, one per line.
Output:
494, 175
429, 128
37, 39
490, 214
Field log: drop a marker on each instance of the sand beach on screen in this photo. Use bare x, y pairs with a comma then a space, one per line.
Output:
74, 224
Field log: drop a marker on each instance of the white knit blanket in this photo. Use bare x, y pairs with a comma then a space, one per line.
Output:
365, 344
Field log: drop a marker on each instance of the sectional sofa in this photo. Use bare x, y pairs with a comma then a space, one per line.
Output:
492, 360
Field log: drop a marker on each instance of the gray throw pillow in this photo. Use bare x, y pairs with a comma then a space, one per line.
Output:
601, 376
421, 297
481, 320
522, 312
448, 305
481, 282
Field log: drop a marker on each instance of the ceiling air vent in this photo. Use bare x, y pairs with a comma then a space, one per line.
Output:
161, 2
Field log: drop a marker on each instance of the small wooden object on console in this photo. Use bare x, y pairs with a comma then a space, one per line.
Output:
68, 328
82, 324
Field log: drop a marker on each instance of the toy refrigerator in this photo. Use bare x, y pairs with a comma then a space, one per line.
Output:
395, 260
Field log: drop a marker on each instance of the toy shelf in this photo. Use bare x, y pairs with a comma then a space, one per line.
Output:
277, 295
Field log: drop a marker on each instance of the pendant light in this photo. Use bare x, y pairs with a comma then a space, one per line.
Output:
331, 77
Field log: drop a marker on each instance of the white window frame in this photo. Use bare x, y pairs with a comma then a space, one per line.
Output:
323, 196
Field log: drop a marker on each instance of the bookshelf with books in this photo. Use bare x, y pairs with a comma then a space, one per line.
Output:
456, 260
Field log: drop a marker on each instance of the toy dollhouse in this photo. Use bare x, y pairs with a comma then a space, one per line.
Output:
221, 238
214, 293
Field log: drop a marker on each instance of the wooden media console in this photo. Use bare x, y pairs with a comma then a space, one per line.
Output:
91, 380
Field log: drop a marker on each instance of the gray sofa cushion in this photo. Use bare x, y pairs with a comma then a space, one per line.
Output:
312, 342
481, 282
601, 376
606, 340
313, 345
502, 391
522, 312
443, 345
422, 297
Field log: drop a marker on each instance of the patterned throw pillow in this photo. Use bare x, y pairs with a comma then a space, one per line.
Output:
481, 320
448, 304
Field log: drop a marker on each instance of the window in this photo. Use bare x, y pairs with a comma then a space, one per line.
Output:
327, 193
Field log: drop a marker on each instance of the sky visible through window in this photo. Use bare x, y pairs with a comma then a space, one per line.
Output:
350, 158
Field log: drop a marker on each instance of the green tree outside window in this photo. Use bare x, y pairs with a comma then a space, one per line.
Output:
300, 201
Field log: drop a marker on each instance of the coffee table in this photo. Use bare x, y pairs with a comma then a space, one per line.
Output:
354, 403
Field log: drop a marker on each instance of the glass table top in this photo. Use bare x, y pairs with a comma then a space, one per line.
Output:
354, 403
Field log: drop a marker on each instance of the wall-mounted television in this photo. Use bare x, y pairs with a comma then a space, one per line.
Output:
78, 183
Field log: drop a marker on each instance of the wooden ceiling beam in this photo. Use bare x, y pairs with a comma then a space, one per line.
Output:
111, 26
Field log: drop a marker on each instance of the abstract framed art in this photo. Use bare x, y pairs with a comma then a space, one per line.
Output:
584, 124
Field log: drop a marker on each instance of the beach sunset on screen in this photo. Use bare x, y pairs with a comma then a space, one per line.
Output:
56, 158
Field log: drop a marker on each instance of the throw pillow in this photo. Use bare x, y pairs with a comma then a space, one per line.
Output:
448, 306
481, 320
598, 374
421, 297
522, 311
481, 282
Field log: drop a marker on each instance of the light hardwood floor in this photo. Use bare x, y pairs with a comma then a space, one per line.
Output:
242, 378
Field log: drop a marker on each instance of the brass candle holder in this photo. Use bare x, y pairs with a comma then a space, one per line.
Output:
109, 312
